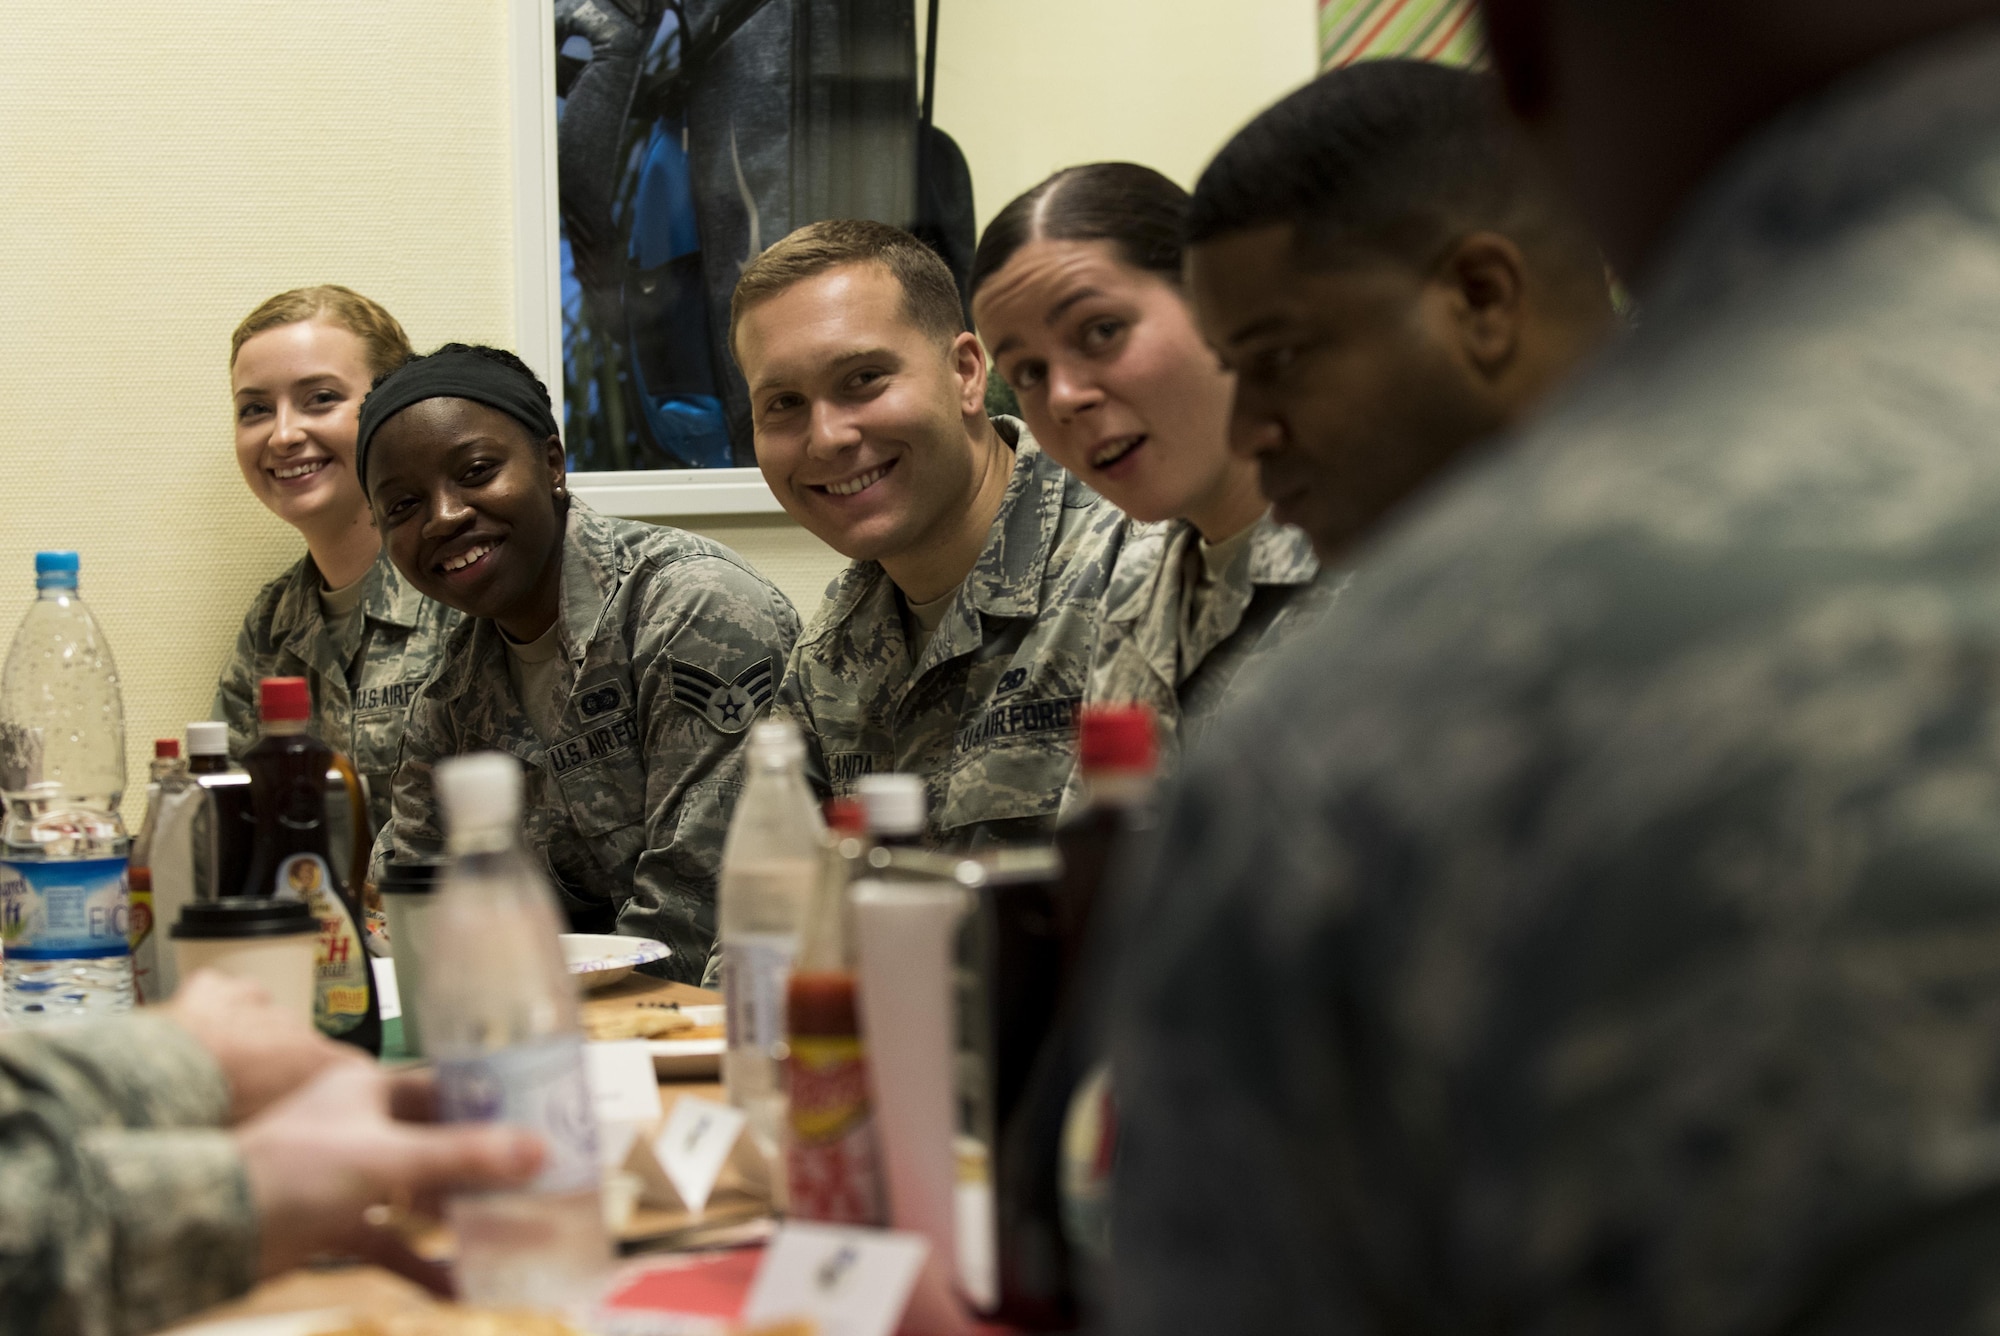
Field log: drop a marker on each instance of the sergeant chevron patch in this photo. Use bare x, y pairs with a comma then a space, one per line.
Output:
729, 706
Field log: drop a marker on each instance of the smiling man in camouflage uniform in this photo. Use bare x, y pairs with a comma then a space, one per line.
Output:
958, 644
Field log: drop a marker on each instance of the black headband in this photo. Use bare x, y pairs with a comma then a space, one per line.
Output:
451, 375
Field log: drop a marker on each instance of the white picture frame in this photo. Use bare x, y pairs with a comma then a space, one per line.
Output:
640, 494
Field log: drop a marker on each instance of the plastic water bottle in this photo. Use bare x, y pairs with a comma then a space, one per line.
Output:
64, 907
770, 865
499, 1016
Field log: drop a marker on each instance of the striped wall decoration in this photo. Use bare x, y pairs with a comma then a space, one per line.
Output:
1443, 30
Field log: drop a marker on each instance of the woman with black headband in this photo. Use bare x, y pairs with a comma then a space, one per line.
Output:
621, 662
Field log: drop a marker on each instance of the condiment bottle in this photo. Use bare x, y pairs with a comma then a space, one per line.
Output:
832, 1163
291, 860
140, 928
224, 844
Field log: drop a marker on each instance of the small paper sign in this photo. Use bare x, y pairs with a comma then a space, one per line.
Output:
848, 1282
694, 1145
623, 1087
386, 997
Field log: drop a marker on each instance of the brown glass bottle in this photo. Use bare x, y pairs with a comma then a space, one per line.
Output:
228, 831
291, 860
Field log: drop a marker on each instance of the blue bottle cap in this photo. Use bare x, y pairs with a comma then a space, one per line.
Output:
55, 570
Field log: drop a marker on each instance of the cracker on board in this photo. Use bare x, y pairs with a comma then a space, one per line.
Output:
643, 1023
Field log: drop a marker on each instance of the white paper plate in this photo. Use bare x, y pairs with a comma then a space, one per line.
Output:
599, 960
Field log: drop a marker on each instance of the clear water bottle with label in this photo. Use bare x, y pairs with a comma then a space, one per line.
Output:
770, 864
64, 907
499, 1017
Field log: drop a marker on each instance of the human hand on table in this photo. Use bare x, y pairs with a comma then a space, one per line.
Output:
265, 1053
343, 1143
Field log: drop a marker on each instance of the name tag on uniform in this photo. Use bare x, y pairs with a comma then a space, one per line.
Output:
596, 743
388, 696
843, 768
1022, 718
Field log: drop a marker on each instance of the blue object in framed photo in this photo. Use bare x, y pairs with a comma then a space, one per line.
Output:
690, 135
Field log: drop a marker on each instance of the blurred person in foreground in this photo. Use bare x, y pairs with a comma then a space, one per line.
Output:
1610, 894
957, 643
155, 1164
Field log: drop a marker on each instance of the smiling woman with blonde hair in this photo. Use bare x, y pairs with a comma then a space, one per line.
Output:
340, 617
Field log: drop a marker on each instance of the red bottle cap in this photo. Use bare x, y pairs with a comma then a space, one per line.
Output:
847, 816
1117, 738
282, 698
167, 749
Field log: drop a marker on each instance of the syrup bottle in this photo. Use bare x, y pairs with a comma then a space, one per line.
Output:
290, 859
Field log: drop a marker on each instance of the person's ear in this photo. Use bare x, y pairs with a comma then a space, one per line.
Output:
1487, 275
557, 465
968, 364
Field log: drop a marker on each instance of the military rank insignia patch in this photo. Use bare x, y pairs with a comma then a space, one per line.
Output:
729, 706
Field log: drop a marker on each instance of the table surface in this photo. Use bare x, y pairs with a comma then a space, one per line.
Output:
372, 1292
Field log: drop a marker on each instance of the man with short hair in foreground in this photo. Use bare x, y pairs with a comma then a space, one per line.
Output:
1609, 897
958, 643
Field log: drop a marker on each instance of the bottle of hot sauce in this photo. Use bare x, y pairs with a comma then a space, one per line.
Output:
832, 1165
290, 859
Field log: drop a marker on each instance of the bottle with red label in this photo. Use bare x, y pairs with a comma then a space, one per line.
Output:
833, 1167
168, 767
291, 860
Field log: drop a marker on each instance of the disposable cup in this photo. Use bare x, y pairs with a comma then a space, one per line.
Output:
271, 942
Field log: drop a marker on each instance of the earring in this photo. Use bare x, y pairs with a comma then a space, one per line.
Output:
561, 491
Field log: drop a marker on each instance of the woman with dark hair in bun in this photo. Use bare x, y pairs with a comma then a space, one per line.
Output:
621, 662
1076, 294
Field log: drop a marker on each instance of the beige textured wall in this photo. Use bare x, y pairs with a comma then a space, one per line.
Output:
1030, 86
162, 173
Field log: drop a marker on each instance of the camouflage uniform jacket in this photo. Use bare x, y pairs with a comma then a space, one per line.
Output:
123, 1206
394, 646
1610, 895
673, 644
1273, 589
988, 713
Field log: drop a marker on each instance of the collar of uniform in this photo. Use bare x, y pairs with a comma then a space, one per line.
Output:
1006, 580
390, 598
1917, 121
1281, 554
1150, 547
476, 650
594, 563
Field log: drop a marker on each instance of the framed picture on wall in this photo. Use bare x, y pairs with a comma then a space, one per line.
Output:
660, 145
